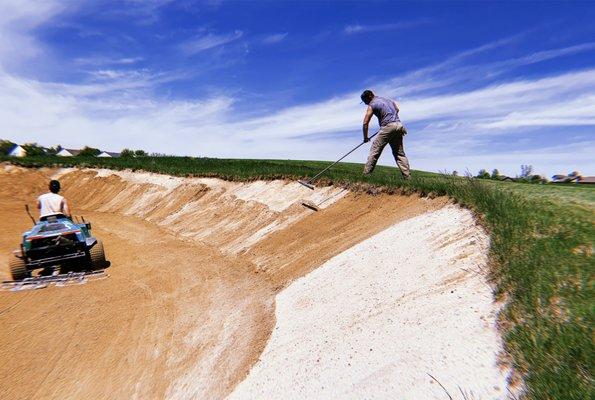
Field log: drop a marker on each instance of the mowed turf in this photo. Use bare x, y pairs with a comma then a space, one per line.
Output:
541, 253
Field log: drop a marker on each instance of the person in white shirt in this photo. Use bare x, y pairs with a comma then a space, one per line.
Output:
52, 204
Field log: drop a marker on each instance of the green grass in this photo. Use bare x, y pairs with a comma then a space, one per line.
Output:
563, 194
541, 253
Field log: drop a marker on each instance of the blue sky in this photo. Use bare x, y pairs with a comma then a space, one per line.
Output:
481, 85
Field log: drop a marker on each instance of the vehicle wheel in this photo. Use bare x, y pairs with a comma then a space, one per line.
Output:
97, 256
18, 269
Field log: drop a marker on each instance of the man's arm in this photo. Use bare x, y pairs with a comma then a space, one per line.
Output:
64, 207
38, 204
367, 118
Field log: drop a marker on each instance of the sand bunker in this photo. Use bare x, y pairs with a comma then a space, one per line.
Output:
215, 289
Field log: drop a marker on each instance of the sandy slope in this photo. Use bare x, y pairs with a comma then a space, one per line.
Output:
374, 321
189, 304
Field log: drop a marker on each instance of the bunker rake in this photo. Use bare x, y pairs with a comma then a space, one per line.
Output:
315, 207
310, 182
40, 282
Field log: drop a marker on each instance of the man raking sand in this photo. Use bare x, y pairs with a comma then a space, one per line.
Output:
391, 132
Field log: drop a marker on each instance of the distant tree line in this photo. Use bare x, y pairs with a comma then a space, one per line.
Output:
526, 175
133, 153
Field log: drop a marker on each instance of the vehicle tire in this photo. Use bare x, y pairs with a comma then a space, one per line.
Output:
97, 256
18, 269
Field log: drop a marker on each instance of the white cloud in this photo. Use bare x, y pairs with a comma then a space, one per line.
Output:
143, 12
112, 74
476, 109
208, 41
100, 60
33, 111
353, 28
555, 53
498, 101
274, 38
17, 19
358, 28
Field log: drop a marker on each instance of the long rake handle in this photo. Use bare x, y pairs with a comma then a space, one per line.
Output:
336, 162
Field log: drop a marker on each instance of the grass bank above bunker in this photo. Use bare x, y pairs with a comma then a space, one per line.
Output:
541, 255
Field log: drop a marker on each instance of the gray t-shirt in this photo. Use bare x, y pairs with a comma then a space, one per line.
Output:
385, 110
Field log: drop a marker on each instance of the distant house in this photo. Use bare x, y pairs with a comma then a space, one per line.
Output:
587, 180
564, 178
505, 178
108, 154
17, 151
68, 153
573, 177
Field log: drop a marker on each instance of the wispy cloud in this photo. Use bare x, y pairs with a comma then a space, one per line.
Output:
457, 63
208, 41
274, 38
127, 60
462, 68
102, 60
17, 20
142, 12
447, 128
359, 28
550, 54
468, 113
79, 114
141, 77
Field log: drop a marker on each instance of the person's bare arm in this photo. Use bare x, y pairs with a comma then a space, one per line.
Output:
38, 205
64, 207
367, 119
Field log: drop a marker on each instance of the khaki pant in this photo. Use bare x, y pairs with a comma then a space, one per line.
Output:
391, 134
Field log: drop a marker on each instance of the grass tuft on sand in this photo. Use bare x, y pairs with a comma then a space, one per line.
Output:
541, 252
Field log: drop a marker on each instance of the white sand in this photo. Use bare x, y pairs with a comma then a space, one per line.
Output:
372, 322
277, 195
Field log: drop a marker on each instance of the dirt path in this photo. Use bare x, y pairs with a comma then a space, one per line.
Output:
188, 308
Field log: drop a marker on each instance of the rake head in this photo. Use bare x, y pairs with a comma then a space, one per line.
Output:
306, 184
310, 205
